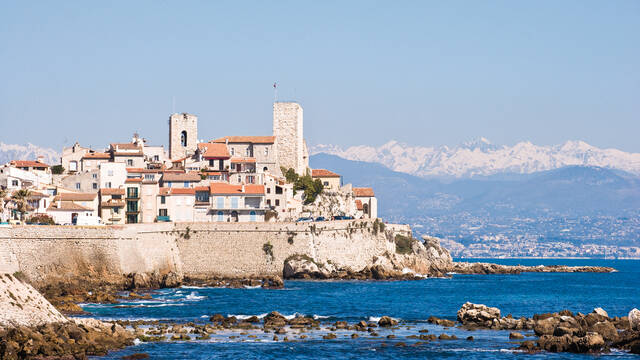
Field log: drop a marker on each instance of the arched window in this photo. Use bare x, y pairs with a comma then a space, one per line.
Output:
183, 138
234, 216
252, 216
265, 169
365, 208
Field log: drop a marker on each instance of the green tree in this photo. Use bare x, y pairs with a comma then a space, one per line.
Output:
57, 169
3, 195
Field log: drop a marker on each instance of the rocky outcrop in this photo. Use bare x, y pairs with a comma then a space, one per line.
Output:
31, 327
634, 319
488, 268
558, 332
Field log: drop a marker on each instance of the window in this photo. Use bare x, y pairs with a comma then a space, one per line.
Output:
239, 178
183, 138
326, 183
233, 166
186, 184
169, 184
132, 193
252, 216
107, 184
77, 186
266, 152
95, 186
156, 158
212, 162
365, 208
163, 212
268, 190
73, 166
132, 219
14, 182
129, 162
278, 190
233, 152
234, 202
116, 210
110, 173
149, 176
116, 197
95, 176
250, 179
277, 202
220, 204
269, 202
265, 169
220, 216
202, 196
132, 206
163, 199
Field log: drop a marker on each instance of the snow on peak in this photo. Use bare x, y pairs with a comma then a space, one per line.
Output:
479, 157
10, 152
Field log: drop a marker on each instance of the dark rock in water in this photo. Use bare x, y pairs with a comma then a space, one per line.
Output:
446, 337
478, 314
386, 321
515, 335
217, 318
136, 356
470, 338
274, 320
606, 329
441, 322
171, 280
528, 345
329, 336
272, 282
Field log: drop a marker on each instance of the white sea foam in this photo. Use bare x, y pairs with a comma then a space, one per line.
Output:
252, 287
192, 287
407, 271
244, 317
136, 341
194, 296
318, 317
374, 318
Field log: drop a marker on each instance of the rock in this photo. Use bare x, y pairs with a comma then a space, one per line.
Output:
600, 311
469, 338
606, 329
329, 336
274, 320
171, 280
546, 326
387, 321
217, 318
141, 281
634, 319
300, 267
591, 342
516, 335
528, 345
477, 314
272, 282
441, 322
136, 356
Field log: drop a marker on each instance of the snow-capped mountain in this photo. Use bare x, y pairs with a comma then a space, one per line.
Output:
10, 152
482, 158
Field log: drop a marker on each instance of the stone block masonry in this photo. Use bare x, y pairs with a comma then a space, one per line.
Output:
197, 250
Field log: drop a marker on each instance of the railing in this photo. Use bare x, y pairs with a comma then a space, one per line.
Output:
163, 219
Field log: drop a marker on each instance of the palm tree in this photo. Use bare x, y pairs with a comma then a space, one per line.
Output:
19, 198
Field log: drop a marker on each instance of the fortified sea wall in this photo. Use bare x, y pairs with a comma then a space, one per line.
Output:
45, 253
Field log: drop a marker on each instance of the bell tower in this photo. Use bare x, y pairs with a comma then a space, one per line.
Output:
183, 135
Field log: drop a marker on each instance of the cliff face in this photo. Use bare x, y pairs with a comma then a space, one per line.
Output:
169, 252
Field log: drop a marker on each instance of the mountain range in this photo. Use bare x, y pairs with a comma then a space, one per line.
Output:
481, 158
10, 152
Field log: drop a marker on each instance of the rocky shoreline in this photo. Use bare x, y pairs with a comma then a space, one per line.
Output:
489, 268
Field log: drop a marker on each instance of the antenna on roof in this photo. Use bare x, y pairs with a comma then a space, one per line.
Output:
275, 92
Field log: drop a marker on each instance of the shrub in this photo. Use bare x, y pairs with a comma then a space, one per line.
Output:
41, 219
57, 169
20, 276
312, 188
268, 249
403, 244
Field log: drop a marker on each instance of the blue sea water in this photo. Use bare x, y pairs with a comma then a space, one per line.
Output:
411, 302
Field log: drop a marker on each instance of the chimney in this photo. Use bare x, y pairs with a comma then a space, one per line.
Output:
226, 141
242, 187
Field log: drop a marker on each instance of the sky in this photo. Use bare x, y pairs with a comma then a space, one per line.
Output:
420, 72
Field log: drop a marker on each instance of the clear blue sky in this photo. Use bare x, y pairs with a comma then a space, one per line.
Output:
423, 72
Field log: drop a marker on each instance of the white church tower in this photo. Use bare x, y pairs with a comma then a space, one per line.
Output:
288, 130
183, 135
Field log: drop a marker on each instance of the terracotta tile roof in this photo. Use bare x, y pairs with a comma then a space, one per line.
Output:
323, 173
190, 176
363, 192
165, 191
133, 180
96, 155
27, 163
67, 206
212, 172
137, 153
112, 203
247, 139
214, 150
228, 189
201, 188
35, 194
108, 191
75, 197
143, 171
243, 160
359, 205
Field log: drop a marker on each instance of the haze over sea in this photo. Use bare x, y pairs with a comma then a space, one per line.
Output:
411, 302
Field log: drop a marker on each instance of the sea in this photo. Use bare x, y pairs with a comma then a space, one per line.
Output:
410, 302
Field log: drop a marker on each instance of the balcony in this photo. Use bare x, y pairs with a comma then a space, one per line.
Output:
163, 219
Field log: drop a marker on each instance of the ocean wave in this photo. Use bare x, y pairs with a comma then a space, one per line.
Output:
244, 317
319, 317
377, 318
194, 296
252, 287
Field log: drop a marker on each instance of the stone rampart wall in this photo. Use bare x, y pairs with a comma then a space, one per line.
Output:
191, 249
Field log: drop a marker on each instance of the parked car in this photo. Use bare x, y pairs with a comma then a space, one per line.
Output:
305, 219
320, 218
342, 217
89, 220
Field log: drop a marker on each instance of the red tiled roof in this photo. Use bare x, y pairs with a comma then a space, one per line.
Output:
240, 160
35, 194
96, 155
359, 205
67, 206
247, 139
363, 192
201, 188
214, 150
141, 170
228, 189
112, 203
109, 191
75, 197
27, 163
133, 180
165, 191
125, 146
323, 173
190, 176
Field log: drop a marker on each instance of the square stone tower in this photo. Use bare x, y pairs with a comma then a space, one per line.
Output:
183, 135
287, 128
